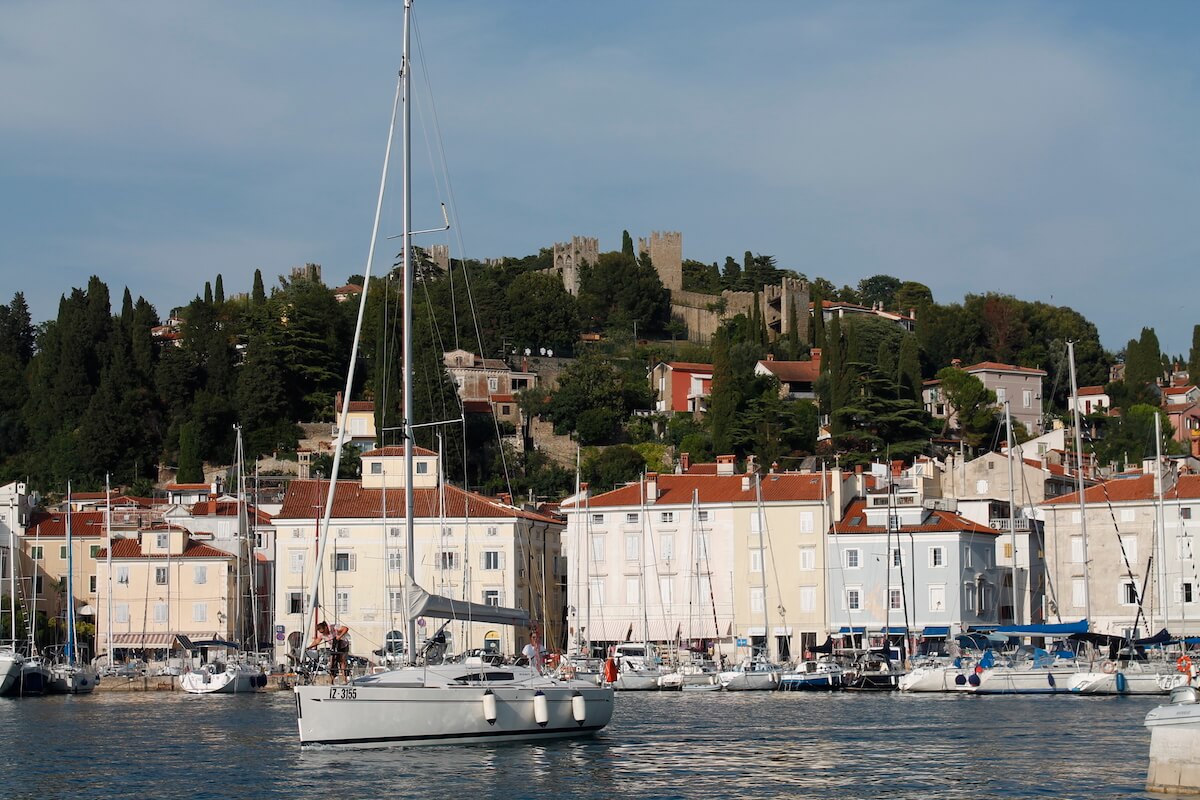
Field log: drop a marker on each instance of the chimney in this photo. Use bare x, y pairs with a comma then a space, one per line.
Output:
746, 482
751, 464
770, 356
774, 467
583, 488
815, 354
912, 313
506, 498
651, 486
685, 462
725, 465
956, 363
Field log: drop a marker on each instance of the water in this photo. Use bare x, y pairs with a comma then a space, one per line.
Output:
675, 745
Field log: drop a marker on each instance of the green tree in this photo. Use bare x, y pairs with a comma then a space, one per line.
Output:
1193, 363
258, 294
1143, 360
541, 313
191, 468
879, 289
972, 403
612, 467
909, 368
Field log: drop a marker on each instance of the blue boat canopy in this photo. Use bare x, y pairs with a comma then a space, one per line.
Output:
1062, 629
856, 629
936, 630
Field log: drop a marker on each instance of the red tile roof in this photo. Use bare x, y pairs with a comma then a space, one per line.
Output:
351, 501
689, 366
1178, 389
1086, 391
362, 406
227, 508
397, 450
1128, 490
349, 288
132, 548
501, 398
188, 487
936, 522
1053, 469
793, 371
677, 490
995, 366
46, 524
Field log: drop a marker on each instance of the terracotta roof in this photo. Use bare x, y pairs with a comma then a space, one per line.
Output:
1178, 389
353, 501
1130, 490
689, 366
188, 487
1087, 391
677, 490
362, 406
475, 407
995, 366
226, 508
132, 548
702, 469
349, 288
397, 450
46, 524
1053, 469
936, 522
797, 371
501, 398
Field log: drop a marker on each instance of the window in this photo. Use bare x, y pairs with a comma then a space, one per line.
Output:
92, 584
666, 545
599, 554
756, 560
295, 602
447, 559
808, 598
395, 532
853, 558
296, 562
704, 545
895, 556
808, 558
422, 468
160, 575
492, 530
395, 561
396, 601
505, 410
1078, 592
376, 467
1027, 398
1008, 549
597, 519
631, 519
343, 562
633, 547
633, 589
62, 552
199, 612
1001, 394
665, 591
297, 533
93, 551
704, 586
1185, 512
937, 598
702, 516
1129, 545
343, 533
123, 575
667, 516
447, 530
757, 602
121, 612
162, 540
968, 597
1185, 546
491, 597
895, 599
853, 599
201, 575
493, 559
36, 553
343, 601
1076, 549
493, 384
1185, 592
596, 591
37, 584
937, 557
806, 522
980, 598
160, 612
1128, 593
967, 557
1128, 515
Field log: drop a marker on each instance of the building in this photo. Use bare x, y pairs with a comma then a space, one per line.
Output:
697, 557
1122, 520
1090, 400
467, 546
665, 250
570, 257
1020, 386
489, 380
681, 387
360, 423
168, 588
836, 309
797, 379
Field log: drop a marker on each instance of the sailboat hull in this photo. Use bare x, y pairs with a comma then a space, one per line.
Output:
366, 716
68, 679
10, 673
234, 679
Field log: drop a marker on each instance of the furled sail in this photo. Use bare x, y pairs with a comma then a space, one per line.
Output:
423, 604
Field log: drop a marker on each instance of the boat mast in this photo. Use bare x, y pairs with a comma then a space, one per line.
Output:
762, 565
1012, 520
1160, 532
406, 323
70, 652
108, 562
1087, 578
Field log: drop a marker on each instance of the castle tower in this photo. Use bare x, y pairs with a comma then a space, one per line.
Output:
666, 253
570, 256
440, 253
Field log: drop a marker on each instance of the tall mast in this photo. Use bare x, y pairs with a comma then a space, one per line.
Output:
1087, 576
108, 562
12, 579
762, 565
1012, 507
642, 558
1159, 532
406, 323
70, 653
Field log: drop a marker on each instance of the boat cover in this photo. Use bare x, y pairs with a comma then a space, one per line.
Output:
1061, 629
936, 630
423, 604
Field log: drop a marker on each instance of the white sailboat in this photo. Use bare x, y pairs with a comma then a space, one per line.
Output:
68, 676
435, 704
11, 660
756, 673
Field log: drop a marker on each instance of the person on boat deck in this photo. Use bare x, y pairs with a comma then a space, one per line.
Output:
339, 645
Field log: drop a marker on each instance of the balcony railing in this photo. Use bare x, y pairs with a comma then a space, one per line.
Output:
1002, 523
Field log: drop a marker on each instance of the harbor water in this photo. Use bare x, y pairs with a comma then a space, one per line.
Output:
659, 745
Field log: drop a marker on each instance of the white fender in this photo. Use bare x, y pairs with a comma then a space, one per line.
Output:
579, 707
489, 707
541, 709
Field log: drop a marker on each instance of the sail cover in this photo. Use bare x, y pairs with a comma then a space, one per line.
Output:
423, 604
1062, 629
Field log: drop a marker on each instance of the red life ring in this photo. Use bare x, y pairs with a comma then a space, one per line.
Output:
1108, 667
1184, 664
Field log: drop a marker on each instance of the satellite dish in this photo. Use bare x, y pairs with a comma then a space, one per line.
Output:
550, 353
542, 350
527, 351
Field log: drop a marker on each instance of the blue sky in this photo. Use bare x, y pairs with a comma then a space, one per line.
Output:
1046, 150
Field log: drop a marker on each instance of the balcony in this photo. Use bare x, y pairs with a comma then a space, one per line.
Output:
1002, 524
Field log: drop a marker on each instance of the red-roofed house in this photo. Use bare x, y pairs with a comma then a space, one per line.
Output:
1020, 386
1090, 400
360, 422
681, 386
835, 308
797, 379
1123, 532
45, 556
648, 544
513, 556
165, 584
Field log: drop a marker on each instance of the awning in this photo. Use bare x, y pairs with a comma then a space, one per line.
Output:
932, 631
152, 641
894, 630
845, 629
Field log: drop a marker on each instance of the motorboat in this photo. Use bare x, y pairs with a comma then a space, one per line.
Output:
235, 676
691, 673
1175, 743
11, 663
450, 704
1130, 677
67, 678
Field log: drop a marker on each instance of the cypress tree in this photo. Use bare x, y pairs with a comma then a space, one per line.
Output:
208, 294
258, 294
909, 368
191, 468
627, 245
219, 290
1194, 356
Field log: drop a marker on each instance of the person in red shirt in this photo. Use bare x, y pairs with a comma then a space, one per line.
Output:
339, 645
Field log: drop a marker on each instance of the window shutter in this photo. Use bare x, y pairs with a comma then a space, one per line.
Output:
353, 562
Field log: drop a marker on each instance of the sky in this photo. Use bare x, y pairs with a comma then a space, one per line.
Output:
1043, 150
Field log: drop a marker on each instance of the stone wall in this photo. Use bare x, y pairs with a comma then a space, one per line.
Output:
666, 254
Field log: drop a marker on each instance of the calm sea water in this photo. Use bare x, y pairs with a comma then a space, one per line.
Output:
757, 744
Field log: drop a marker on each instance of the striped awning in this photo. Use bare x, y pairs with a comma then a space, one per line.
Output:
152, 641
